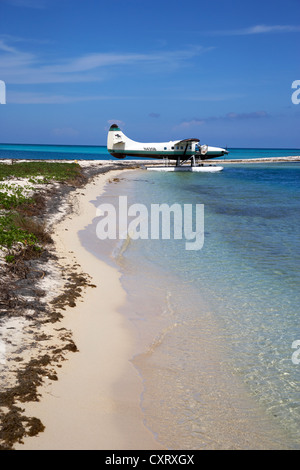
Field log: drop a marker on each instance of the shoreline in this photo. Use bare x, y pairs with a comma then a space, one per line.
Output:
175, 384
155, 162
95, 402
92, 401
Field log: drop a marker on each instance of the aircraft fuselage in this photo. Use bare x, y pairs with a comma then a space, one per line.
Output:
121, 146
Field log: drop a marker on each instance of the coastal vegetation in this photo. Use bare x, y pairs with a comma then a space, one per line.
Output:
30, 194
22, 201
36, 283
44, 171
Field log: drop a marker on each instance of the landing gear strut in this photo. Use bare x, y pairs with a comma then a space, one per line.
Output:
192, 158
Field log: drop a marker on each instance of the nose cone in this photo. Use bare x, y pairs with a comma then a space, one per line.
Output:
214, 152
218, 151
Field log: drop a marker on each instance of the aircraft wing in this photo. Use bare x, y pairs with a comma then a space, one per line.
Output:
186, 141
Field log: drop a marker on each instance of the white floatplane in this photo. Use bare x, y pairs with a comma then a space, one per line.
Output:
182, 151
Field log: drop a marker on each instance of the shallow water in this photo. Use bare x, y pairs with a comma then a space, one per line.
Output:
215, 327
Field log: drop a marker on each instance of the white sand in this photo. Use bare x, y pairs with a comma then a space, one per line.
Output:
95, 402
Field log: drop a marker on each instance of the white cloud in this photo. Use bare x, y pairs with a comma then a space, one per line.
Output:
48, 98
257, 29
19, 67
191, 123
195, 122
252, 115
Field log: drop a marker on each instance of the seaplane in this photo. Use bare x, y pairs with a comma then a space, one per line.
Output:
182, 151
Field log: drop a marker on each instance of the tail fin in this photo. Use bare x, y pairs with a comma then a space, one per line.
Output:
115, 136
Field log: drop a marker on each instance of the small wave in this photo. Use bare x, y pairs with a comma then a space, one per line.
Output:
120, 248
158, 340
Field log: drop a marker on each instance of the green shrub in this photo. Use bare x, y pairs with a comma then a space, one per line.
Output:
10, 233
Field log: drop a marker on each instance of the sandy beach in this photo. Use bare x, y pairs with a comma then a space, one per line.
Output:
95, 403
68, 378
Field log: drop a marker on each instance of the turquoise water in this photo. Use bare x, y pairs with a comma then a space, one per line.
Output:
215, 327
47, 152
237, 153
88, 152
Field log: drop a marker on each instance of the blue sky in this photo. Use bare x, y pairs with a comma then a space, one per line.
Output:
218, 70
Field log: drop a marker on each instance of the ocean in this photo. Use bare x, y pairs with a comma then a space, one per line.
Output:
92, 152
217, 329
